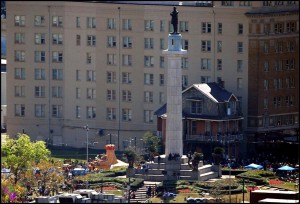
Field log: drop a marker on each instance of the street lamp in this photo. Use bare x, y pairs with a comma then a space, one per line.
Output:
87, 142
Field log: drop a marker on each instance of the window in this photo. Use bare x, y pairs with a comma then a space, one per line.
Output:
290, 64
127, 42
91, 22
126, 95
19, 91
267, 3
57, 74
278, 46
57, 92
110, 95
162, 62
78, 93
162, 26
239, 83
205, 63
290, 46
161, 79
126, 114
183, 26
57, 111
90, 112
39, 110
78, 111
88, 58
206, 45
148, 116
227, 3
240, 47
266, 103
40, 38
39, 56
290, 82
219, 46
196, 107
184, 63
275, 83
184, 80
111, 77
39, 20
279, 27
19, 56
149, 25
91, 40
161, 97
219, 64
126, 78
266, 66
245, 3
110, 114
148, 96
90, 75
90, 93
185, 44
126, 60
78, 40
77, 22
78, 78
19, 38
111, 23
240, 29
266, 47
148, 61
127, 25
39, 74
20, 73
278, 3
39, 91
206, 27
111, 41
57, 39
111, 59
205, 79
291, 27
57, 56
266, 84
240, 65
148, 43
162, 43
19, 20
278, 65
20, 110
220, 27
148, 79
57, 21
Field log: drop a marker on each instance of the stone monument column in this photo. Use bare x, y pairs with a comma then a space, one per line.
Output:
174, 142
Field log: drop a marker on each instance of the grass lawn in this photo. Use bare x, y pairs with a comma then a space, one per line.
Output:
287, 185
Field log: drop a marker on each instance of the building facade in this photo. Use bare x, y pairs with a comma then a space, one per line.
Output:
57, 49
273, 97
211, 117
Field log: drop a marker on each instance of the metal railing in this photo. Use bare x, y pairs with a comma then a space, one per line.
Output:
215, 138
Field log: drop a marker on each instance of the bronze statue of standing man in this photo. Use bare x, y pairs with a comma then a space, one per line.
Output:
174, 20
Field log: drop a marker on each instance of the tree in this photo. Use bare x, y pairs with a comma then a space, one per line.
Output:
131, 156
152, 142
217, 155
21, 152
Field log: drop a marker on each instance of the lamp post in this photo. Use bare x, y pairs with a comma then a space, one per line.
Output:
87, 142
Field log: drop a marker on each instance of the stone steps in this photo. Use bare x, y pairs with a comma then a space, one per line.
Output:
141, 194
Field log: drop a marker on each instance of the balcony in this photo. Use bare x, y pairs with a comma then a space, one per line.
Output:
215, 138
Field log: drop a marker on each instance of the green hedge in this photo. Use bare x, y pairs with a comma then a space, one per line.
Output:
260, 177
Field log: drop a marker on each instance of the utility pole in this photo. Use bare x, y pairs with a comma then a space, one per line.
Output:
134, 143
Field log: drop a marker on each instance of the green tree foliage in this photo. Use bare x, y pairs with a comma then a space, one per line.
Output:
152, 142
21, 152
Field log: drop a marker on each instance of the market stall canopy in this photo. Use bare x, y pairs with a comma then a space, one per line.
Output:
254, 166
286, 168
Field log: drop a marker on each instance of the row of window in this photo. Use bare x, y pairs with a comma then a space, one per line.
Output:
280, 65
57, 74
278, 3
279, 47
272, 28
57, 112
39, 56
278, 83
57, 21
280, 101
273, 121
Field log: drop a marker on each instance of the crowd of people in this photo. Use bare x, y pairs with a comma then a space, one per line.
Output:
174, 156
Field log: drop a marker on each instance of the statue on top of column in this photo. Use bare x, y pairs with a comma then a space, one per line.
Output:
174, 20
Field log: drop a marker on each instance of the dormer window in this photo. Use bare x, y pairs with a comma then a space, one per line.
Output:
196, 107
231, 107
